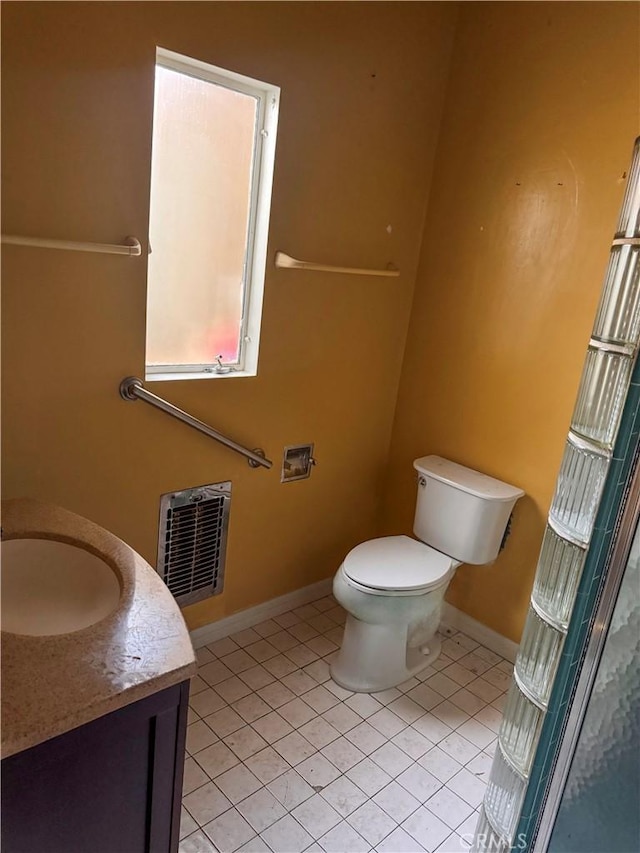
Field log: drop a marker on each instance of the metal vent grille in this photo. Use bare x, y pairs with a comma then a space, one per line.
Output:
193, 540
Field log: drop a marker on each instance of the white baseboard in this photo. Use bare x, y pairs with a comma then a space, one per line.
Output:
452, 617
254, 615
489, 638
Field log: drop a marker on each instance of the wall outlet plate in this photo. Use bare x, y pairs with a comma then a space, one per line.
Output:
297, 462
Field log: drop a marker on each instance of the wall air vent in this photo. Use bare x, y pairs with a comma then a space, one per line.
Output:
193, 540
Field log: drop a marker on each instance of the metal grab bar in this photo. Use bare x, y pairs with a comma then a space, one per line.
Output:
132, 388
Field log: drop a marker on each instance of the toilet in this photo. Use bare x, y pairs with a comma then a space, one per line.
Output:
393, 587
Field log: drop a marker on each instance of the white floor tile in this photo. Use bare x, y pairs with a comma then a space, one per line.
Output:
245, 742
187, 823
344, 796
425, 696
276, 694
199, 735
216, 759
392, 760
318, 771
471, 788
431, 727
363, 704
439, 764
192, 716
238, 661
268, 695
342, 718
251, 707
449, 807
294, 748
197, 842
320, 699
280, 666
419, 782
343, 754
476, 733
482, 688
368, 776
319, 732
316, 816
287, 835
458, 748
262, 650
386, 722
257, 677
442, 684
272, 727
299, 682
450, 714
406, 708
290, 789
296, 712
224, 721
318, 670
412, 742
285, 620
215, 672
399, 841
343, 839
396, 801
206, 803
206, 702
266, 628
338, 691
229, 831
233, 689
366, 738
469, 702
387, 696
194, 776
261, 809
371, 822
267, 765
426, 828
238, 783
245, 638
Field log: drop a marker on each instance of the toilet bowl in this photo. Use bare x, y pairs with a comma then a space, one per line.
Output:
390, 633
393, 587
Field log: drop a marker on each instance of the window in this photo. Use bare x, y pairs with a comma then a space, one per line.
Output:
211, 173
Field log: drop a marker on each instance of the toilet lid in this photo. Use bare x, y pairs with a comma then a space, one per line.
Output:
397, 563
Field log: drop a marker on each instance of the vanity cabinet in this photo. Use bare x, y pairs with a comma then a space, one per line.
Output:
113, 785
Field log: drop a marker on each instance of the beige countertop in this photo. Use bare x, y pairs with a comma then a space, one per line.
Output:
53, 684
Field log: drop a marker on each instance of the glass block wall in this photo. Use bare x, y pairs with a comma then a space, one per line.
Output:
587, 457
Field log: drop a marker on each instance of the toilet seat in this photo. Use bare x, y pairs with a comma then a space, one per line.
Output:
397, 565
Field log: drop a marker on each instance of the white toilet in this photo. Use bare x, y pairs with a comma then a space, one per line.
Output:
393, 588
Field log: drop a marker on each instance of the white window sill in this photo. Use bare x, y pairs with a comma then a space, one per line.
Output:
170, 377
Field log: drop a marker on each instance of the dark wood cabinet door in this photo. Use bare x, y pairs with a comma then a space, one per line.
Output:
110, 786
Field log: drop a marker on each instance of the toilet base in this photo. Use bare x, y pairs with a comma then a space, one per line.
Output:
377, 657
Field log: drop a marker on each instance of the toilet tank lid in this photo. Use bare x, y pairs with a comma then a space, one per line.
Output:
397, 563
466, 479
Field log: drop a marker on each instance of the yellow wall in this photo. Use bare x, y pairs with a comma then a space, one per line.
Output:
541, 114
362, 92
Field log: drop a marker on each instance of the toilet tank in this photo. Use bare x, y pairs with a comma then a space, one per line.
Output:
461, 512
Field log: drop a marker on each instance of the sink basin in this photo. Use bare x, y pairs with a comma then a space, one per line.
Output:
51, 587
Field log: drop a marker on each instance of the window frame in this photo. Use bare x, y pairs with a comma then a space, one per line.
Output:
267, 96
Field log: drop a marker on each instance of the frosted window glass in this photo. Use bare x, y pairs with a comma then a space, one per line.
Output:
203, 151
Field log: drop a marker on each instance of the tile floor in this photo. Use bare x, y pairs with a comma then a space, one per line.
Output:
283, 760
